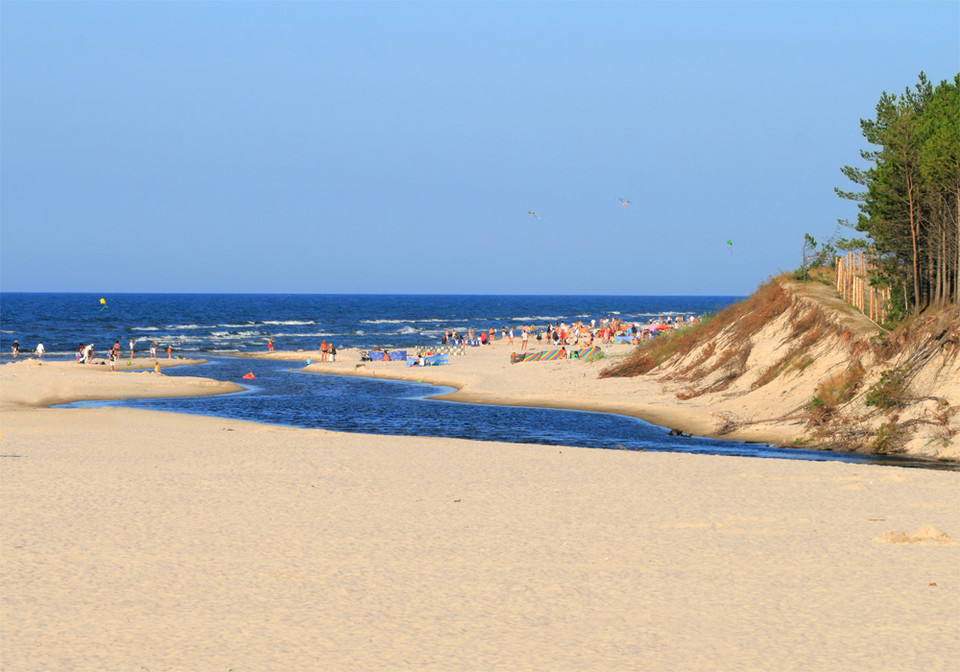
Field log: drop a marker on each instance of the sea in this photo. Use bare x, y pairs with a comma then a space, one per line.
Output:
216, 327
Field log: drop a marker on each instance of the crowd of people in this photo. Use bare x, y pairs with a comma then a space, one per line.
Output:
576, 334
85, 353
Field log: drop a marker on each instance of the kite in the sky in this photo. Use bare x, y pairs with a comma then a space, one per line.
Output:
730, 246
533, 214
623, 202
103, 304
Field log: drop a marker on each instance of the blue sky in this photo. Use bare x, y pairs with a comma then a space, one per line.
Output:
397, 147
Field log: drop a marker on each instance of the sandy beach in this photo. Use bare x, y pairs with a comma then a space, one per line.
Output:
137, 540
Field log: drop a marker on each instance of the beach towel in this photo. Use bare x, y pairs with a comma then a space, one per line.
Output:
553, 355
432, 360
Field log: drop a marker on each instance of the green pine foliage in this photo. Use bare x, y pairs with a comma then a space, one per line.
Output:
911, 193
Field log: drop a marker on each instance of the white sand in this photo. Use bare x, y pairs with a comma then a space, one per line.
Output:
134, 540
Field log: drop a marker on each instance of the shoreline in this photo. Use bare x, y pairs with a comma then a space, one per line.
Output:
484, 375
35, 384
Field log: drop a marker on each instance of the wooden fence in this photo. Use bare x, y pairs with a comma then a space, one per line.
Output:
854, 285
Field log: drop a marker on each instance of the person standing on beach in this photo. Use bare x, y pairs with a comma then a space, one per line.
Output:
131, 349
169, 352
270, 344
153, 350
40, 350
524, 337
324, 351
15, 349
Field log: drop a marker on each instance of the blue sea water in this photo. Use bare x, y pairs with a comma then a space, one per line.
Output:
212, 326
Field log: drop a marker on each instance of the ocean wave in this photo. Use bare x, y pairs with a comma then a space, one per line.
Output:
539, 318
293, 323
319, 334
661, 313
233, 336
425, 320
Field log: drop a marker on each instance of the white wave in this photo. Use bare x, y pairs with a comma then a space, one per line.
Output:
290, 322
539, 318
426, 320
232, 336
662, 313
144, 328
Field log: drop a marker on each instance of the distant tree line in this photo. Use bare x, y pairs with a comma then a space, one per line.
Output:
910, 203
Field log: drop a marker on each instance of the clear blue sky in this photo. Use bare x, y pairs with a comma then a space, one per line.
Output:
398, 146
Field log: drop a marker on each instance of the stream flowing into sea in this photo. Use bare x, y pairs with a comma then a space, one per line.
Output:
214, 326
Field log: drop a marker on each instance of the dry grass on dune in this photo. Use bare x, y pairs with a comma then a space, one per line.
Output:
735, 324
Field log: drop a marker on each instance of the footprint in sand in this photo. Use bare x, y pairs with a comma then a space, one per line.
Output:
927, 534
